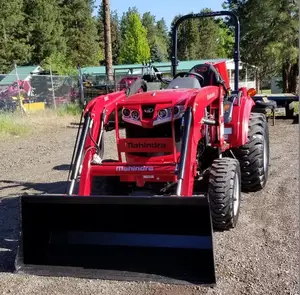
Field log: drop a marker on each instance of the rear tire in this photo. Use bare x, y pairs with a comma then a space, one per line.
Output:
254, 155
224, 190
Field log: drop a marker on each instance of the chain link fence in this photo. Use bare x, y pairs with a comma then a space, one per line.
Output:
50, 91
36, 91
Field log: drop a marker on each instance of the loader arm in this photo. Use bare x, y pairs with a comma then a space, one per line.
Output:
99, 110
238, 125
195, 118
95, 118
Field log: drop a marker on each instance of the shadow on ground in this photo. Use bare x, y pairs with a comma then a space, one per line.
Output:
72, 127
58, 187
296, 120
63, 167
9, 228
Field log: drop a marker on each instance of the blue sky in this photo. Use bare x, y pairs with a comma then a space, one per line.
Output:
166, 9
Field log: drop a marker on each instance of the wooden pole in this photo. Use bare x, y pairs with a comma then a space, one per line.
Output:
52, 86
107, 39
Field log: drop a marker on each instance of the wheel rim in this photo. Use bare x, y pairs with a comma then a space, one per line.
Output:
236, 195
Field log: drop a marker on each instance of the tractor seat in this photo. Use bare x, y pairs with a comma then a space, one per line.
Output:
184, 82
209, 72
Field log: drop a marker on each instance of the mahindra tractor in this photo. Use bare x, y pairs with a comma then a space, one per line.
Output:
184, 155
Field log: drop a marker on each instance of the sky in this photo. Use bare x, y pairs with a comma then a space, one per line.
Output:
166, 9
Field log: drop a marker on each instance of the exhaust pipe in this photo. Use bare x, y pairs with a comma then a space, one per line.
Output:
164, 239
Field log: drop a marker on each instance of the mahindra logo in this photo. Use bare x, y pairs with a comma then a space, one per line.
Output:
134, 168
146, 145
149, 110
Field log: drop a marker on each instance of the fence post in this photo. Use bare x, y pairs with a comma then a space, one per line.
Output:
52, 86
19, 95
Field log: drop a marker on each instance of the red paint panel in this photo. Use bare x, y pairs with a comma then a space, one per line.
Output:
135, 145
123, 169
149, 178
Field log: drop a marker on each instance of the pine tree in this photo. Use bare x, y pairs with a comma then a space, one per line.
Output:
115, 36
135, 47
208, 34
157, 37
162, 41
46, 29
270, 37
124, 20
188, 40
156, 53
148, 21
203, 38
81, 32
14, 45
225, 40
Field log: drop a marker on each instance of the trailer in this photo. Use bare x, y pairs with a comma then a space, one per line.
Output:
275, 105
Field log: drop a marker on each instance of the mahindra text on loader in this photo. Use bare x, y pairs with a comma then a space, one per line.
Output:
188, 152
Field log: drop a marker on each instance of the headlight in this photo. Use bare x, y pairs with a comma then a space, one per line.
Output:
165, 115
131, 116
135, 115
126, 112
162, 114
176, 110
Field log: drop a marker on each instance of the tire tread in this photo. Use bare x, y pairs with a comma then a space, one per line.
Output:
220, 192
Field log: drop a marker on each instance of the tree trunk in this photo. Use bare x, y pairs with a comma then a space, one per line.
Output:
286, 68
293, 78
290, 74
107, 40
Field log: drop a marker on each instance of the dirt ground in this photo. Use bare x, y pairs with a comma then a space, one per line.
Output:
260, 256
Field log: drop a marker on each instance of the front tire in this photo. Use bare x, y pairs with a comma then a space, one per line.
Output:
224, 192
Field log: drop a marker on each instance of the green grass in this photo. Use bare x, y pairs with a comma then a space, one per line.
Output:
11, 124
265, 91
296, 107
69, 110
16, 124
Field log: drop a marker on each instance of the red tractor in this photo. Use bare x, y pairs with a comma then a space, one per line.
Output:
184, 156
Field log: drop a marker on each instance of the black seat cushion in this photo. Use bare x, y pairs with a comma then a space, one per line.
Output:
184, 82
209, 72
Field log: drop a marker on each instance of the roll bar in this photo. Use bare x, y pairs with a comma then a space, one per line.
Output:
236, 57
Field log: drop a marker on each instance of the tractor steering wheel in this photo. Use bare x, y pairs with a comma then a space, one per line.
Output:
182, 74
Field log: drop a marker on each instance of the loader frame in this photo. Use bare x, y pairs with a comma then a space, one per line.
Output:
168, 170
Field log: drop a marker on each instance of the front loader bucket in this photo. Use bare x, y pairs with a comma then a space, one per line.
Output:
165, 239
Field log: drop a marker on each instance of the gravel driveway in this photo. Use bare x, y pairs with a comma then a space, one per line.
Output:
259, 257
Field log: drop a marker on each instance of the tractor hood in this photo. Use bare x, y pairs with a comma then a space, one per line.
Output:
161, 96
149, 109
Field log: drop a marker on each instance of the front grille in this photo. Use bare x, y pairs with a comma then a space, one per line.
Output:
160, 131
